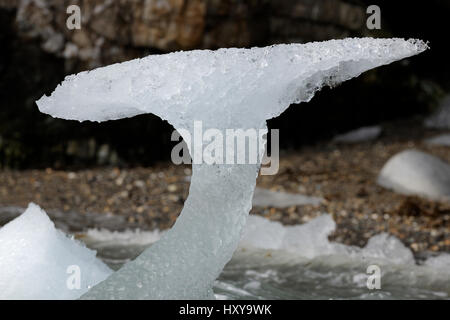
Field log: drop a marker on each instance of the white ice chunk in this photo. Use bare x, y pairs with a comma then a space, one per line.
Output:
262, 233
128, 237
225, 89
359, 135
441, 261
440, 140
441, 118
276, 199
389, 248
35, 259
308, 240
414, 172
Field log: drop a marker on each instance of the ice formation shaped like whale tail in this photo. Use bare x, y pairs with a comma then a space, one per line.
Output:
227, 88
227, 85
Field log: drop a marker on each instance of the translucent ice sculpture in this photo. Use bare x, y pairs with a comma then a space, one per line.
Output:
38, 261
225, 89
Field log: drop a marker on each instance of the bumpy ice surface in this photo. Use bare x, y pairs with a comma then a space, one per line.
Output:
417, 173
227, 88
35, 257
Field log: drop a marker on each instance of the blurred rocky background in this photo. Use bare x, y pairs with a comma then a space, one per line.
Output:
38, 50
121, 168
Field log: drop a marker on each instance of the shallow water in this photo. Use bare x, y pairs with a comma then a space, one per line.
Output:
278, 274
279, 262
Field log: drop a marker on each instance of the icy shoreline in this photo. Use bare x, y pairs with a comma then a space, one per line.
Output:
309, 240
277, 245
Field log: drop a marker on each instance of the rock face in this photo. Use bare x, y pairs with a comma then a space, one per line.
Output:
113, 31
413, 172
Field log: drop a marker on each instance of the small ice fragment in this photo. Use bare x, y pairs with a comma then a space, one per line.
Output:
388, 248
441, 118
262, 233
106, 237
441, 261
268, 198
359, 135
308, 240
39, 262
225, 89
440, 140
414, 172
